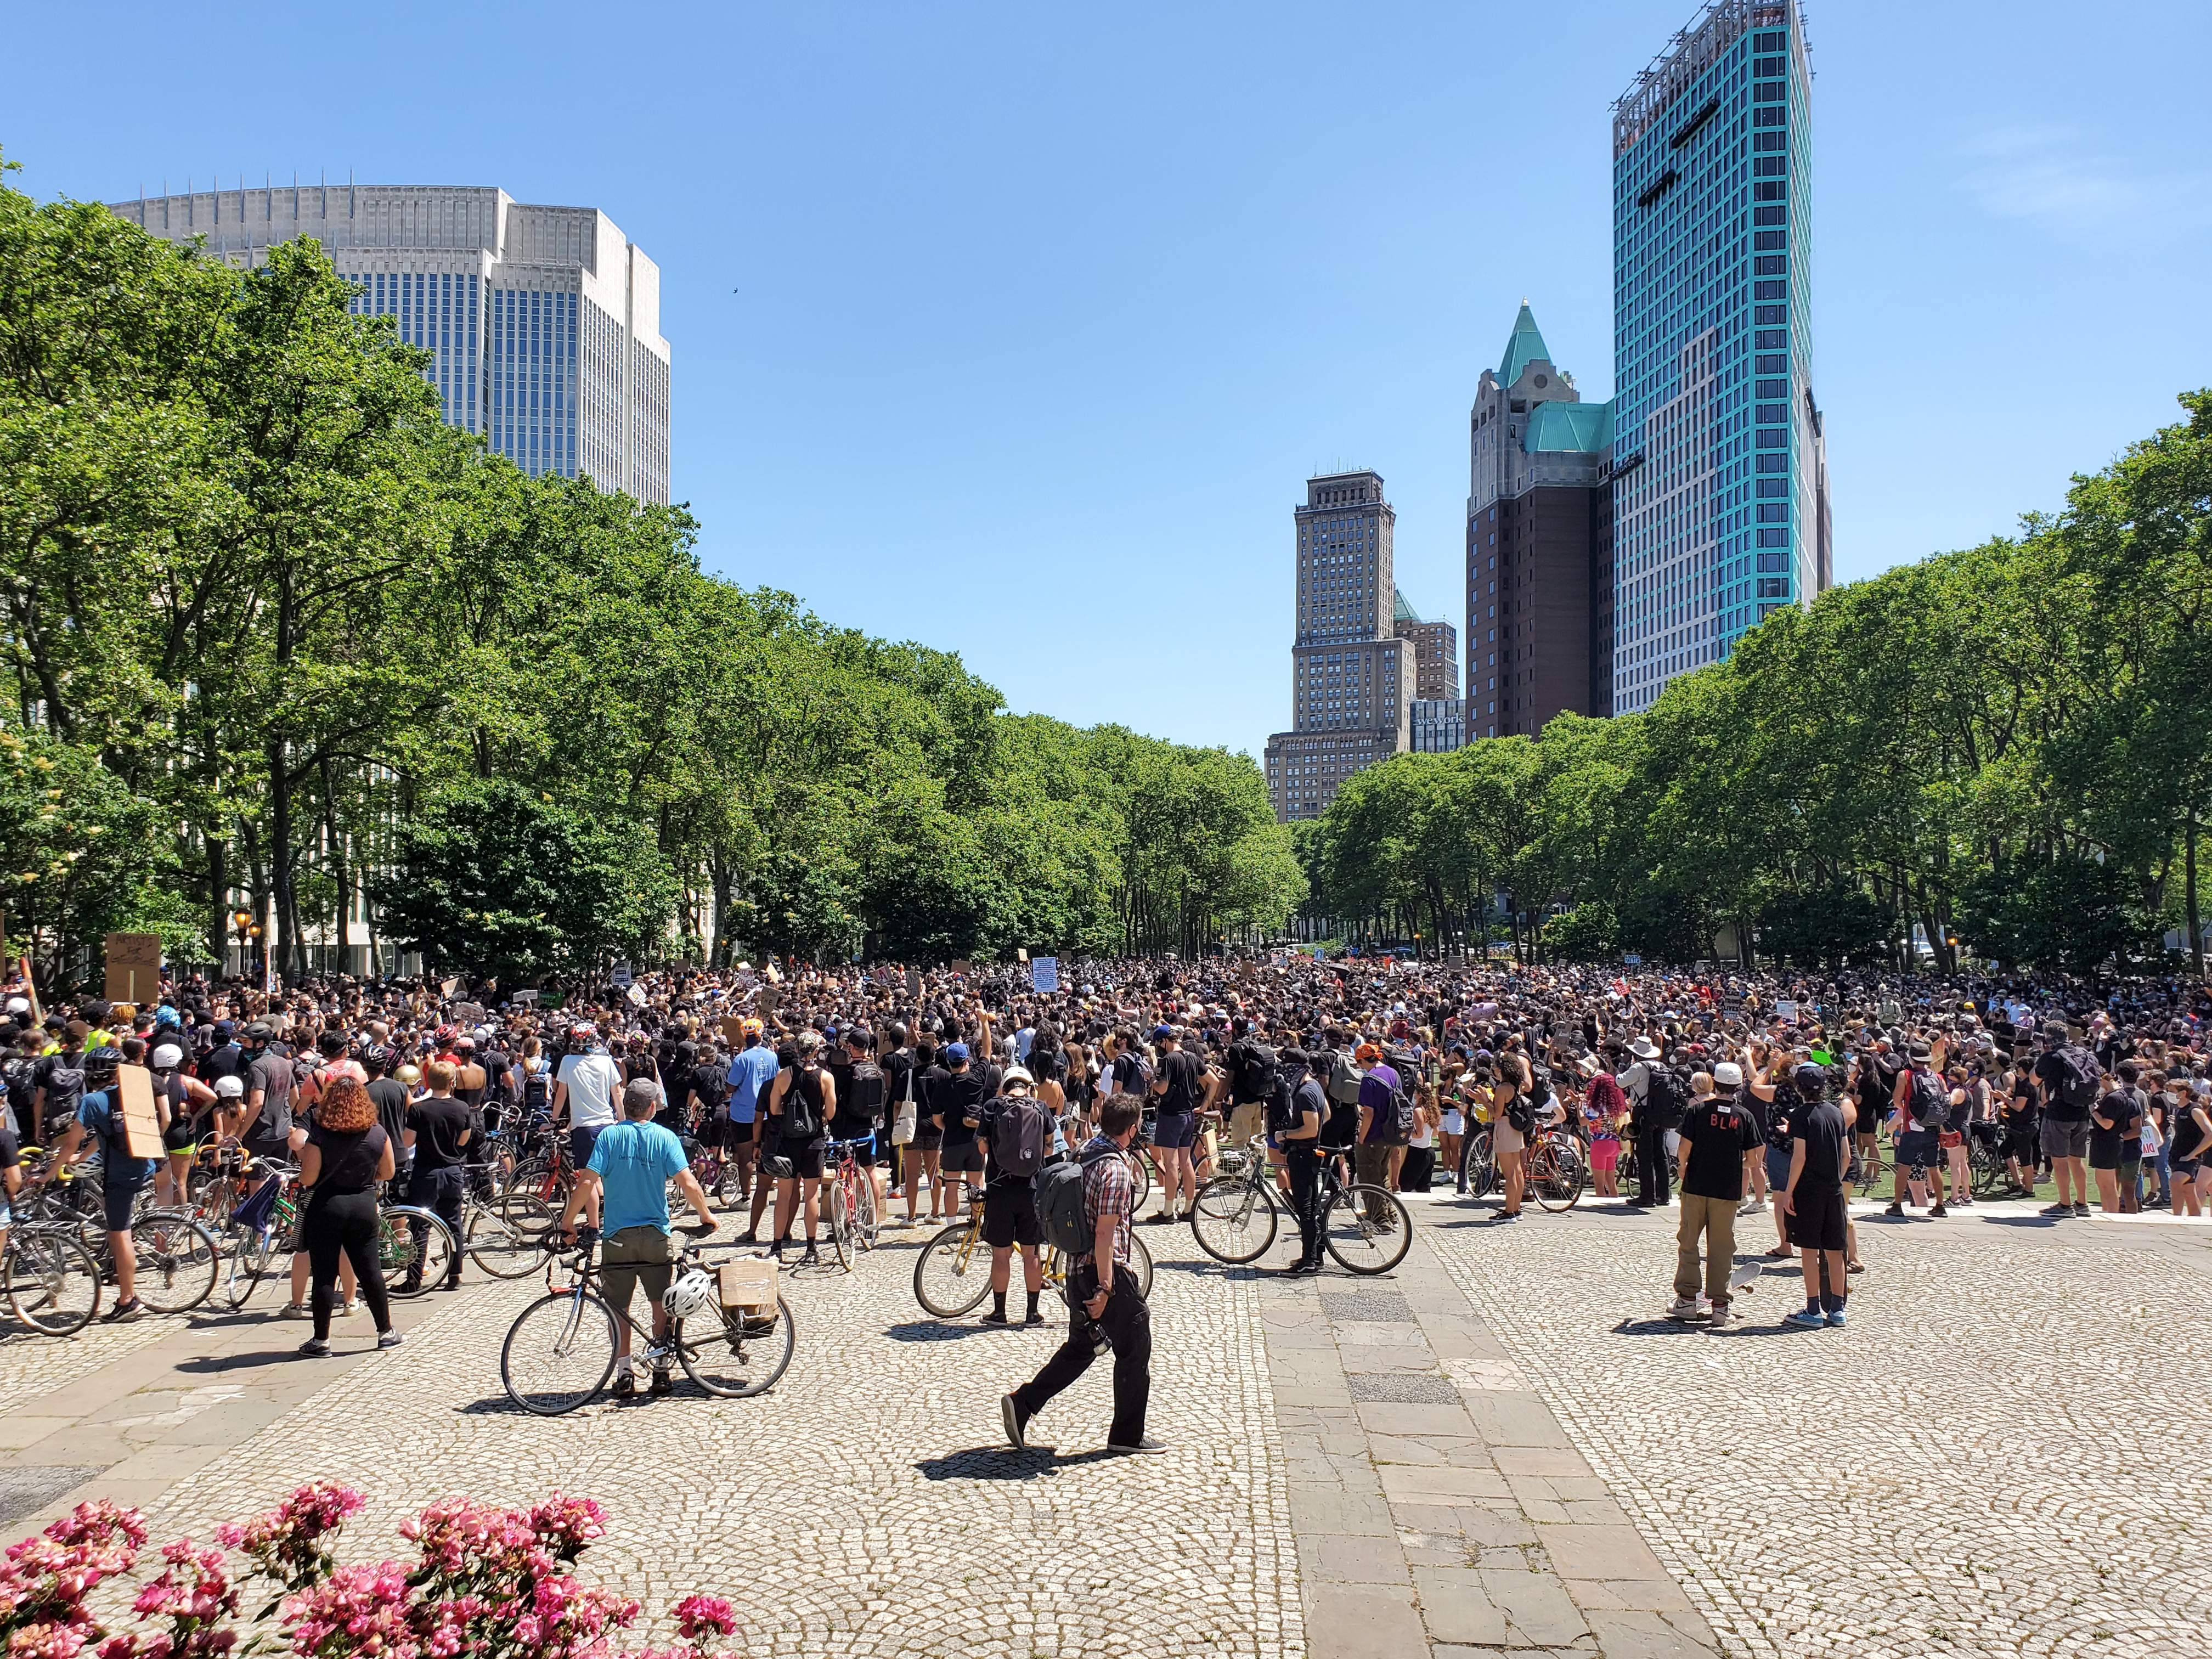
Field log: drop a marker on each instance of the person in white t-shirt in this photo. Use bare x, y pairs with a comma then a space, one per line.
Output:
585, 1089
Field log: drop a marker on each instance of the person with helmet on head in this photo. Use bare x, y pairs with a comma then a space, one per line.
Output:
18, 1071
99, 1122
188, 1101
269, 1132
627, 1178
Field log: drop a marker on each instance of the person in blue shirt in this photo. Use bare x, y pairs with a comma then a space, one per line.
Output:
100, 1124
752, 1068
632, 1163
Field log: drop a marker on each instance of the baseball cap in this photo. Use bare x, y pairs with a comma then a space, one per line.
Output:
956, 1051
1159, 1031
1728, 1074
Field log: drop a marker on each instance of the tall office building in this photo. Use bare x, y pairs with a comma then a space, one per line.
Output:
544, 323
1539, 543
1720, 476
1351, 677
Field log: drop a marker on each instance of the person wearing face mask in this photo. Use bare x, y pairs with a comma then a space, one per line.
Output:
189, 1101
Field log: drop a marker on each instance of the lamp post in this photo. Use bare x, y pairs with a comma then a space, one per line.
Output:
254, 935
241, 919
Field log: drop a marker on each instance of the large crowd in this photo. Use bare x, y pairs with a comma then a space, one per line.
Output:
1771, 1091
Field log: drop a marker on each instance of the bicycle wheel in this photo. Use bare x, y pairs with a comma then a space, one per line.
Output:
251, 1248
866, 1225
954, 1271
177, 1262
498, 1246
841, 1224
742, 1357
1140, 1265
51, 1282
1233, 1220
1985, 1166
1558, 1179
1140, 1174
1361, 1245
1481, 1163
416, 1250
558, 1354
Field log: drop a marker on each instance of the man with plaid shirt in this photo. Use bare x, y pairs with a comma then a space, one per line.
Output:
1110, 1307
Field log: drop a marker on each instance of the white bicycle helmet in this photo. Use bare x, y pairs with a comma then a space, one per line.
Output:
230, 1088
692, 1296
168, 1057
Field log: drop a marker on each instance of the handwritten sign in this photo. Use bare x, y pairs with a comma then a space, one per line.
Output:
134, 967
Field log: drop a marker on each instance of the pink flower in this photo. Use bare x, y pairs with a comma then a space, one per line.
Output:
698, 1617
565, 1525
359, 1610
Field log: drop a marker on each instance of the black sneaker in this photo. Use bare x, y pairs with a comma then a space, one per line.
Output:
1301, 1269
811, 1258
662, 1383
1011, 1415
2082, 1212
123, 1312
1894, 1209
314, 1348
1034, 1319
1939, 1212
625, 1387
994, 1319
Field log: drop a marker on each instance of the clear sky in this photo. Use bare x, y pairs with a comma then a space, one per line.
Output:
1015, 329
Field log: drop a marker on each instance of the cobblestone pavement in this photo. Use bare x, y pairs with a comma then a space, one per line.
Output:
867, 1506
1500, 1446
2002, 1452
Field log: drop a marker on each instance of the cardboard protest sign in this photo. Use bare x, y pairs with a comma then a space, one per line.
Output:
142, 1128
134, 967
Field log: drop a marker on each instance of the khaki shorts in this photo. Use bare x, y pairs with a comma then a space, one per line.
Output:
635, 1256
1247, 1120
1505, 1137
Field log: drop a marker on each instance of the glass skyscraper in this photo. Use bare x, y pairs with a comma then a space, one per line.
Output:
1719, 470
543, 323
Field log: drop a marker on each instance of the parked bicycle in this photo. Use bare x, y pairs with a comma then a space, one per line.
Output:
952, 1275
1366, 1228
850, 1190
51, 1282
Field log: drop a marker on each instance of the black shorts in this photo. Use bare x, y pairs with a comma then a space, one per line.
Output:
1010, 1216
805, 1156
963, 1157
180, 1137
1818, 1220
926, 1139
736, 1135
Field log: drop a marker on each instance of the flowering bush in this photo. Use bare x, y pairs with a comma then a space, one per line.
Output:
485, 1581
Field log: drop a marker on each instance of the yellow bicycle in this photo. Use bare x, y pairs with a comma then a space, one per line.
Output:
953, 1273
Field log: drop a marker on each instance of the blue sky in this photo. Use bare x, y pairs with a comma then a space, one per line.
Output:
1015, 329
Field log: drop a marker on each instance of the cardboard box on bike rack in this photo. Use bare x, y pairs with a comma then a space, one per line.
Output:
749, 1283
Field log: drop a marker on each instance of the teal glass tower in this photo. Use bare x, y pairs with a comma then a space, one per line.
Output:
1720, 471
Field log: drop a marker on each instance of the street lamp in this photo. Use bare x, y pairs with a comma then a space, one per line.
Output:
254, 934
241, 919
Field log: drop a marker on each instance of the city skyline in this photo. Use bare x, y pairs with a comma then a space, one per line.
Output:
1031, 245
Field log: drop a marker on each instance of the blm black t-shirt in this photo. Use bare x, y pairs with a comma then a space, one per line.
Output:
1718, 1132
388, 1096
956, 1097
438, 1126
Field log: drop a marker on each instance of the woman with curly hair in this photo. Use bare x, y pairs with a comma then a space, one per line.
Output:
347, 1154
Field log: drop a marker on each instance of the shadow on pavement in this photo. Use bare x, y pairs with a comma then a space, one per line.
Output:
932, 1330
1004, 1463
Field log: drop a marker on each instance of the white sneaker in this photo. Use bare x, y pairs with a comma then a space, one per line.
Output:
1723, 1316
1684, 1307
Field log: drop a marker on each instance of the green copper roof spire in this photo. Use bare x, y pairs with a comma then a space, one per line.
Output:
1523, 349
1405, 612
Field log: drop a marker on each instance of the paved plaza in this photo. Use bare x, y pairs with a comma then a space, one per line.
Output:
1500, 1445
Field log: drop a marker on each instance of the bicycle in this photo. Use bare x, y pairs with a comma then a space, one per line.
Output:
177, 1258
507, 1241
51, 1282
560, 1350
1555, 1169
1240, 1214
851, 1192
1478, 1157
952, 1275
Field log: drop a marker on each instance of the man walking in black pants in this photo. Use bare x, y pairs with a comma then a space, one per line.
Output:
1100, 1303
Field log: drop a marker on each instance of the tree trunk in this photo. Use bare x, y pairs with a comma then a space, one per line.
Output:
2189, 897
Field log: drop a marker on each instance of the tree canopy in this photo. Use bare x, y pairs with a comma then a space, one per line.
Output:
274, 628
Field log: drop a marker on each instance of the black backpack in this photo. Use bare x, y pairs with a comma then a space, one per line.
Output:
802, 1118
1931, 1102
65, 1087
2079, 1080
1256, 1067
1666, 1098
1021, 1136
538, 1090
1060, 1201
